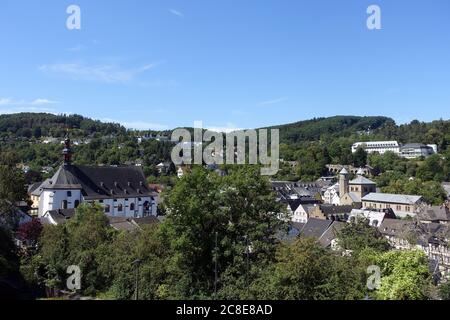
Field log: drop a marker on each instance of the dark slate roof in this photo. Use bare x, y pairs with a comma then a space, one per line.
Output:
330, 234
396, 227
34, 187
62, 215
315, 228
101, 182
360, 180
122, 224
435, 213
146, 220
293, 232
330, 209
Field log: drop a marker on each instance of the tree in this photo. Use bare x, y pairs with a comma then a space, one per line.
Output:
77, 242
8, 254
444, 291
405, 275
239, 211
12, 187
306, 271
359, 235
116, 264
30, 231
431, 191
360, 157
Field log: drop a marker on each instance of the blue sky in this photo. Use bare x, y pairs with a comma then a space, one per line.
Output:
230, 63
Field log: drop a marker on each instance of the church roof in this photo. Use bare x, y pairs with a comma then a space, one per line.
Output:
362, 180
101, 182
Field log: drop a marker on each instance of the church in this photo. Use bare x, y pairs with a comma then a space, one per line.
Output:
352, 192
121, 191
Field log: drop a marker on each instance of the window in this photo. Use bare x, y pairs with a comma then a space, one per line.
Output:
64, 204
132, 206
107, 208
69, 193
77, 203
120, 208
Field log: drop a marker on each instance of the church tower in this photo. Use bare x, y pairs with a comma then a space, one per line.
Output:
343, 182
67, 152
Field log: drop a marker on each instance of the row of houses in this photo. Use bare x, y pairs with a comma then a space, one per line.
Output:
429, 232
321, 199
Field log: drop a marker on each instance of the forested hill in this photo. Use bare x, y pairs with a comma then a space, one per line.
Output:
338, 126
27, 125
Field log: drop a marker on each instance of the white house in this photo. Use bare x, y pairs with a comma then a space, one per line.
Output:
331, 195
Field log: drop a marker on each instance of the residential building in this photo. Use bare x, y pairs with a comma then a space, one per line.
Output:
434, 214
402, 205
330, 212
300, 209
331, 195
294, 190
315, 228
329, 238
375, 217
61, 216
446, 187
324, 231
417, 150
163, 167
431, 238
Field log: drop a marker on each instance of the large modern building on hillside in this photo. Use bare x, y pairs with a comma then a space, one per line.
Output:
121, 191
409, 151
380, 147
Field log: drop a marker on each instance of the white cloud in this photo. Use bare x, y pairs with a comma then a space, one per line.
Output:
176, 12
35, 102
40, 102
138, 125
77, 48
274, 101
229, 127
108, 73
29, 109
5, 101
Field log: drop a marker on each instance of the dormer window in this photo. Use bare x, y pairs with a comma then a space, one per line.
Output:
102, 184
129, 183
115, 184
